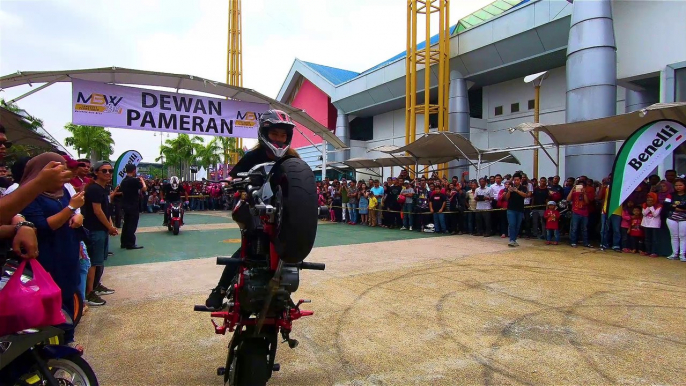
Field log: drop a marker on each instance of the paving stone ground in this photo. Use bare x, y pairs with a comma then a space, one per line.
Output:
401, 308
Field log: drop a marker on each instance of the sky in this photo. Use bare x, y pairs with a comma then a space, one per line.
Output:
189, 37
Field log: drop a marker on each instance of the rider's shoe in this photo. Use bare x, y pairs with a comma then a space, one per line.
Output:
216, 298
164, 224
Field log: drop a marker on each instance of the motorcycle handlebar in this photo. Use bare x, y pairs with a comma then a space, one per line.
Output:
223, 260
202, 308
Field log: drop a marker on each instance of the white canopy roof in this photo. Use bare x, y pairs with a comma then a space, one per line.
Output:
359, 163
19, 133
615, 128
118, 75
441, 147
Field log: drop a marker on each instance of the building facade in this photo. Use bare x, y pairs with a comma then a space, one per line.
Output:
603, 57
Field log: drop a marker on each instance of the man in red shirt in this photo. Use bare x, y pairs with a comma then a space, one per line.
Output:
579, 199
81, 179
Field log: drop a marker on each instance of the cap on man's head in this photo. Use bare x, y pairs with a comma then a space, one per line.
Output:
551, 203
407, 182
130, 168
100, 164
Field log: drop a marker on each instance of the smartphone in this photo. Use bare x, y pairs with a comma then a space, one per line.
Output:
579, 188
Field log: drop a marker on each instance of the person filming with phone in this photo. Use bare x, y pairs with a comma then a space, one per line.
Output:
580, 201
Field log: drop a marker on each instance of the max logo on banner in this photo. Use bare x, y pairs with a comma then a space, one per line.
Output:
98, 103
248, 118
660, 139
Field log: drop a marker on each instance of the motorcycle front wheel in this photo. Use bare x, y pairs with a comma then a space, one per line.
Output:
176, 228
251, 364
69, 370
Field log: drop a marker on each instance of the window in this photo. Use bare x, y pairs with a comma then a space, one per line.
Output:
362, 129
532, 104
476, 103
499, 110
514, 108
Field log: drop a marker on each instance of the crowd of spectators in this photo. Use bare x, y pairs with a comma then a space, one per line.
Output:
513, 206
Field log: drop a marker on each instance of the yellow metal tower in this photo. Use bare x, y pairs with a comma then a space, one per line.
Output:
424, 58
234, 58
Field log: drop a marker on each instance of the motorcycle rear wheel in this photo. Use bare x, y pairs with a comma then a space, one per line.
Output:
298, 228
252, 363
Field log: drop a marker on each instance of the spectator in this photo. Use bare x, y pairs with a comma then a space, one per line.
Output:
17, 170
516, 194
374, 212
609, 224
651, 223
407, 207
552, 224
352, 202
96, 214
541, 195
131, 187
635, 231
364, 205
484, 197
498, 217
80, 179
676, 220
556, 190
53, 214
471, 204
392, 205
436, 207
580, 202
627, 209
343, 190
423, 216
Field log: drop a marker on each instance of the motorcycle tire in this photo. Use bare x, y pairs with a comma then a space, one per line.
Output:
76, 365
176, 229
252, 363
298, 228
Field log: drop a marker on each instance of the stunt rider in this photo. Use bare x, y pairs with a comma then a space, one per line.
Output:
171, 192
274, 140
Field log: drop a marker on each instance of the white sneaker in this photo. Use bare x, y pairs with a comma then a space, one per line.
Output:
403, 228
683, 259
673, 257
410, 228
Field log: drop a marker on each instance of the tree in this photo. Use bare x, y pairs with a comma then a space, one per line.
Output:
209, 155
180, 152
229, 146
90, 140
32, 123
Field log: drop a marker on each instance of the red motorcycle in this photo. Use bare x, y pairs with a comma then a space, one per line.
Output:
278, 223
175, 213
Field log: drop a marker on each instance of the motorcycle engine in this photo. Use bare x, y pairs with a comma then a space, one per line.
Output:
255, 288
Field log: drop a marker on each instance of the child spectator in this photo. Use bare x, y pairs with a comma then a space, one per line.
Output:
552, 223
373, 204
627, 209
651, 223
635, 239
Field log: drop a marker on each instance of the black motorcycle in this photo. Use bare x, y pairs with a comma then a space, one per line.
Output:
38, 356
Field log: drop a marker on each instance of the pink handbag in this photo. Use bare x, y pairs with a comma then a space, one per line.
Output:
36, 303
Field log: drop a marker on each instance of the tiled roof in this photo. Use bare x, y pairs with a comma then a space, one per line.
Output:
334, 75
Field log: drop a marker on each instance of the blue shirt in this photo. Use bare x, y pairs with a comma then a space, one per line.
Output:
377, 191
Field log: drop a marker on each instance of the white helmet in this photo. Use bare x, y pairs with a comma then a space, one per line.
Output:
174, 181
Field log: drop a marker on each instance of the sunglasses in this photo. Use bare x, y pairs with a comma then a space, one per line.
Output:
106, 171
82, 164
6, 144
